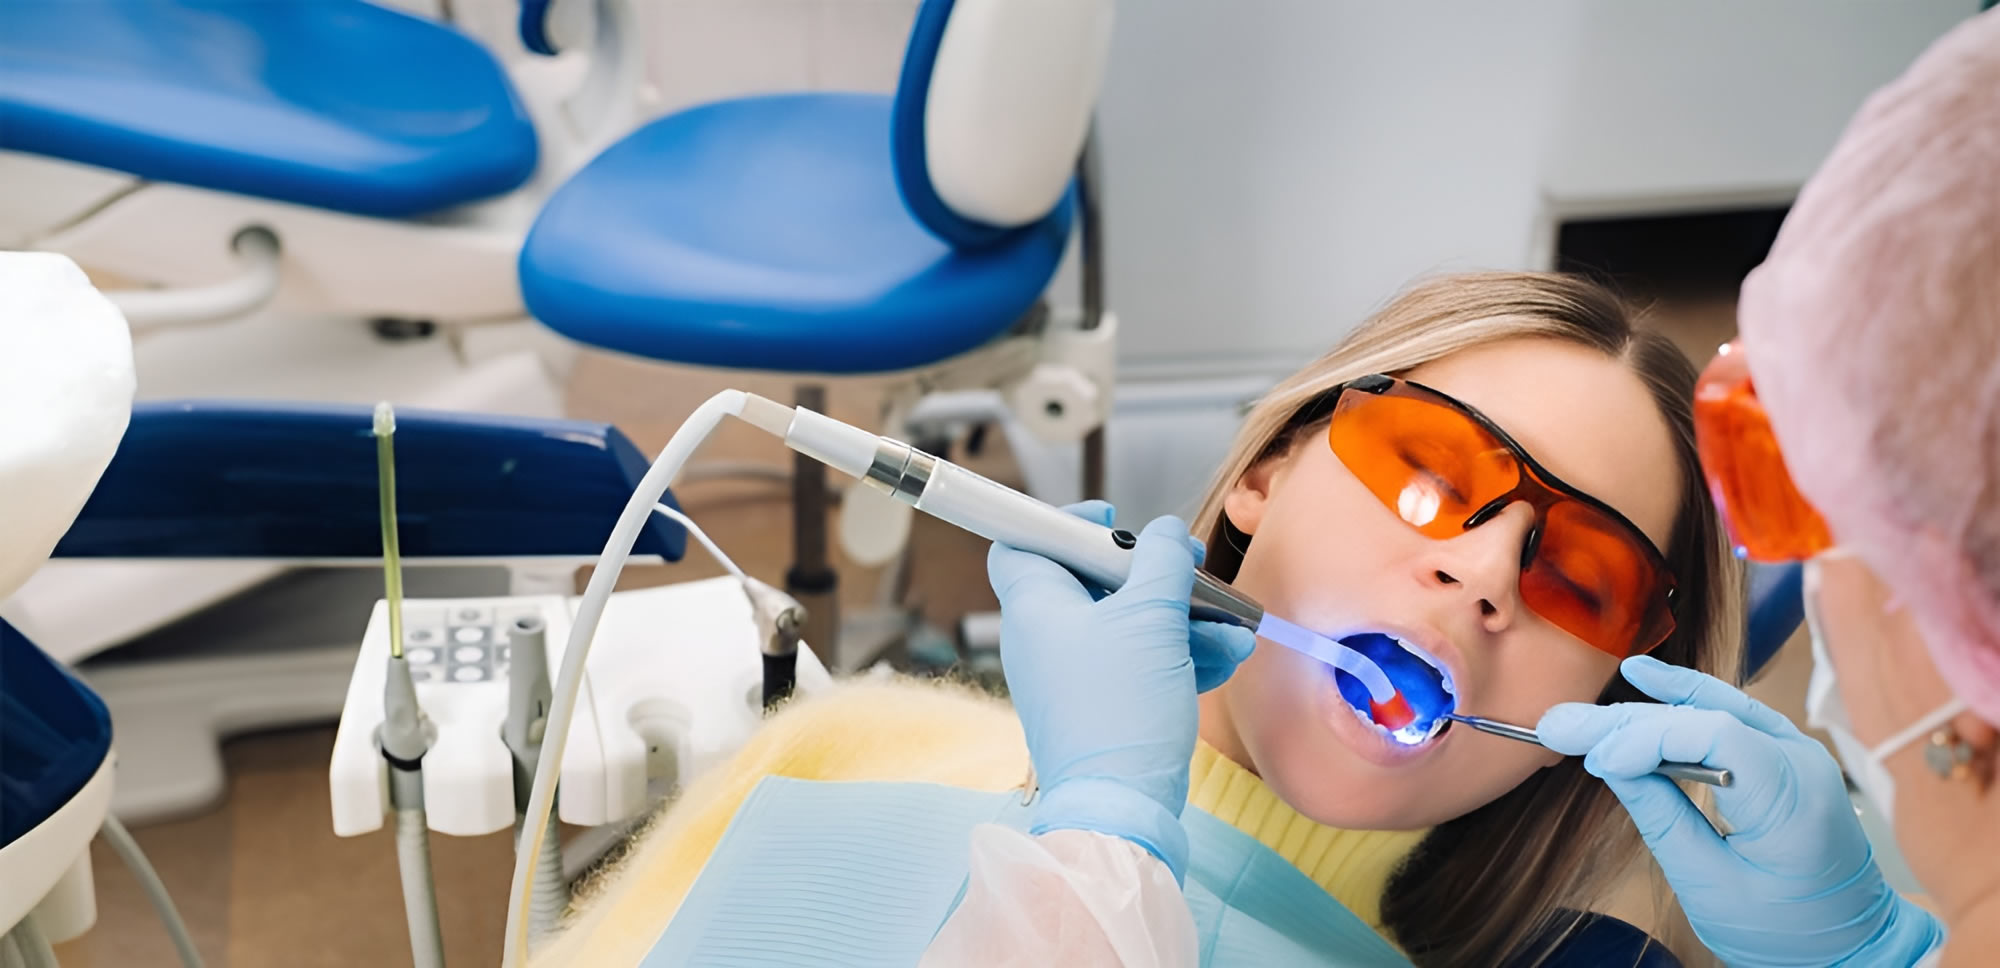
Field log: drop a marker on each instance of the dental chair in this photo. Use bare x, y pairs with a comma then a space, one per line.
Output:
830, 235
325, 181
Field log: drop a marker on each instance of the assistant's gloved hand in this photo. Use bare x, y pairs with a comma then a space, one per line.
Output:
1795, 881
1105, 688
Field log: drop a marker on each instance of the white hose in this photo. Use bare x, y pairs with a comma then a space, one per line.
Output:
569, 682
413, 857
150, 309
127, 848
35, 949
551, 887
715, 552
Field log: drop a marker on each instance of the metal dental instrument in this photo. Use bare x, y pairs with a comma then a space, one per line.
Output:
1694, 772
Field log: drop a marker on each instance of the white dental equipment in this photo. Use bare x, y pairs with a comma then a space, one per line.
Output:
937, 487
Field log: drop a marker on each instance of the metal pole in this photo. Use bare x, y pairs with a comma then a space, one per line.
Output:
811, 579
1091, 269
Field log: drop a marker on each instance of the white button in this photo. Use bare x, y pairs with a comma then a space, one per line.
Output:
469, 653
469, 634
422, 656
422, 635
469, 674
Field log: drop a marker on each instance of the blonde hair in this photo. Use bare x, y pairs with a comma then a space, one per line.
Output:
1507, 880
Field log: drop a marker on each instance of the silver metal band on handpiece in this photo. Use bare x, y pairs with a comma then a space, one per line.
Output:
1214, 601
900, 470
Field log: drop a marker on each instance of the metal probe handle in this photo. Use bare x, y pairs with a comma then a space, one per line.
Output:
1692, 772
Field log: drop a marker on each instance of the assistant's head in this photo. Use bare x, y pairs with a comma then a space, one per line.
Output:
1556, 364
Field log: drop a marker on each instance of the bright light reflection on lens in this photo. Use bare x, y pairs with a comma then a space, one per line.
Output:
1419, 502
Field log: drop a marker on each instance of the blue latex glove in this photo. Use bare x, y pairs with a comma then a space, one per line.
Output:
1795, 881
1105, 688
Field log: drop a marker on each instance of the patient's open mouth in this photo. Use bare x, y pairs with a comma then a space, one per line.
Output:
1425, 691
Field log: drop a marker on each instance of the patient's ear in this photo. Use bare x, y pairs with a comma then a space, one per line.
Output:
1244, 505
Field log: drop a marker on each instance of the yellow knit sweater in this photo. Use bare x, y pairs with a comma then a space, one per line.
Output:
918, 732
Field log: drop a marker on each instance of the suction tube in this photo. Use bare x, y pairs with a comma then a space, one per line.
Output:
569, 681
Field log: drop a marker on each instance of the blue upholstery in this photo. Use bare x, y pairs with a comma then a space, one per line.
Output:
1602, 941
908, 148
1777, 606
247, 480
54, 734
769, 233
335, 104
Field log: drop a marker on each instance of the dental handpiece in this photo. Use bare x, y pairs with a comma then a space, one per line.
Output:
1099, 555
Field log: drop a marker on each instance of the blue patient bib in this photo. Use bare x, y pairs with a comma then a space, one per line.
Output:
864, 875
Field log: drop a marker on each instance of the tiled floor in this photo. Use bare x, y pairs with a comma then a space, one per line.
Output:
263, 880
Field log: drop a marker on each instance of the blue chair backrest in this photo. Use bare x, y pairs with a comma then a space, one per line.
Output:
1777, 607
992, 111
298, 481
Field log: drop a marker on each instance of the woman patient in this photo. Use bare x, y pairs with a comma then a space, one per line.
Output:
1490, 487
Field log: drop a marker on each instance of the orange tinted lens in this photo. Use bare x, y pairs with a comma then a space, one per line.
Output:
1767, 518
1427, 462
1590, 579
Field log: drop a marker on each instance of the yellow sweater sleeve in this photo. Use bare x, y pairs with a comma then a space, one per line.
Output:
884, 731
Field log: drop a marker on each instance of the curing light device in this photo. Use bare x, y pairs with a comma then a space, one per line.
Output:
1101, 556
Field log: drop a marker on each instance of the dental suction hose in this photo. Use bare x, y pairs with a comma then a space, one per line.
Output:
569, 679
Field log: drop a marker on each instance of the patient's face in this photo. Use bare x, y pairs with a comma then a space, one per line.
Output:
1326, 554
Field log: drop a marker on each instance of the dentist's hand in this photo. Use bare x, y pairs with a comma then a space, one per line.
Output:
1794, 882
1105, 688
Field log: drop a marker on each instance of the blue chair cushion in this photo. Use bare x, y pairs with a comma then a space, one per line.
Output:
769, 233
335, 104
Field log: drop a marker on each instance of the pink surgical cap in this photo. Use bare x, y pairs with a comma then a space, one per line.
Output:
1873, 337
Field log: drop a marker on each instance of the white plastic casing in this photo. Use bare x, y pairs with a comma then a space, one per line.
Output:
66, 385
671, 688
1010, 102
37, 862
843, 447
1000, 513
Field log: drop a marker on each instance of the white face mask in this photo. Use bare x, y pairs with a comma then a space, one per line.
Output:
1826, 710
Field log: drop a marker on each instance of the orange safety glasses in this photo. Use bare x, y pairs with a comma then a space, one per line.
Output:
1766, 516
1444, 468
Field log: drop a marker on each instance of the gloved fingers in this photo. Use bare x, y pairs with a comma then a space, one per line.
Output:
1646, 735
1683, 686
1217, 650
1094, 511
1673, 828
1632, 739
1574, 728
1026, 580
1162, 563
